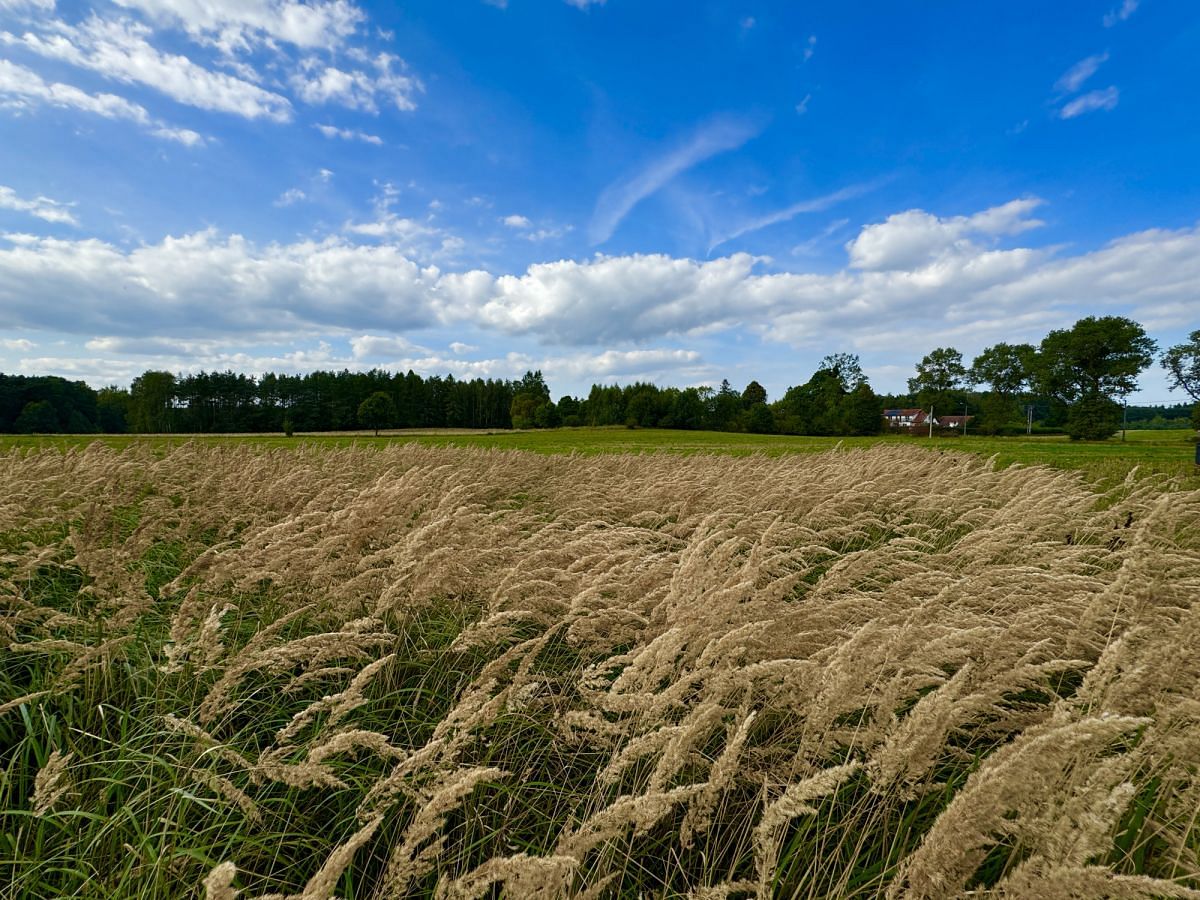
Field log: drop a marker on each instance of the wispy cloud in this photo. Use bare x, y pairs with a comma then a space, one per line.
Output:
1105, 99
815, 204
120, 50
805, 248
1121, 13
349, 134
40, 207
1073, 79
810, 47
290, 196
22, 88
802, 106
616, 200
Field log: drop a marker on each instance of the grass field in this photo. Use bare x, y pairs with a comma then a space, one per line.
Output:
1170, 453
304, 671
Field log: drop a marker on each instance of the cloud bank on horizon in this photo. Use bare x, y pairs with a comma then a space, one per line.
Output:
284, 185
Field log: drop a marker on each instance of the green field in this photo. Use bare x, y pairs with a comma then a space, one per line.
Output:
1170, 453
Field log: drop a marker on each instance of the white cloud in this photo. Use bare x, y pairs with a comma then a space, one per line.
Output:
376, 347
802, 106
747, 23
239, 25
22, 88
202, 284
914, 239
610, 299
184, 136
616, 200
290, 196
548, 234
1105, 99
911, 276
1073, 79
22, 345
349, 134
1121, 13
515, 221
810, 47
318, 83
41, 207
583, 4
459, 348
21, 5
120, 50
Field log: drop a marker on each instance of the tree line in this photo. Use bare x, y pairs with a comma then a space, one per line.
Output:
1074, 381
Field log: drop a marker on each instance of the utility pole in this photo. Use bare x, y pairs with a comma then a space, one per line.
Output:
931, 420
964, 418
1124, 415
1028, 419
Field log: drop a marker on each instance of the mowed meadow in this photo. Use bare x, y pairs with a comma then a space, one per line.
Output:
234, 670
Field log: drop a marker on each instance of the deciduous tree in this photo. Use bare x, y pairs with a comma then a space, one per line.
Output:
377, 411
1182, 363
1088, 366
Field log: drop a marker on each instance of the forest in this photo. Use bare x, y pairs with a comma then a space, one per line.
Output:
1074, 382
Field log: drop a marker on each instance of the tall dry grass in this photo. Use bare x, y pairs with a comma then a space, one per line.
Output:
414, 672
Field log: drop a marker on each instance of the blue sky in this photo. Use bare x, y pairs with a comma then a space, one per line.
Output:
678, 192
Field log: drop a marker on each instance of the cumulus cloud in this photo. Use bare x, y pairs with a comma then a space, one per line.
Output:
915, 238
349, 134
1105, 99
616, 200
120, 50
515, 221
24, 345
205, 285
619, 298
1073, 79
910, 276
41, 207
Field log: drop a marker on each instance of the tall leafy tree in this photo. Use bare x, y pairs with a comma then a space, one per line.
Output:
1182, 363
754, 393
1088, 366
939, 380
152, 402
846, 367
1006, 369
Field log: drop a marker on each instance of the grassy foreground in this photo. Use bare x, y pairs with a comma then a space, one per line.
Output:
233, 671
1170, 453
